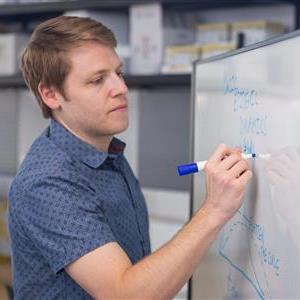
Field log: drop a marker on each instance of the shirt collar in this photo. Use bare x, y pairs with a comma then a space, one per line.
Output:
79, 149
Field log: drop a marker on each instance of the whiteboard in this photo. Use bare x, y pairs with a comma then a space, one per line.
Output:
251, 99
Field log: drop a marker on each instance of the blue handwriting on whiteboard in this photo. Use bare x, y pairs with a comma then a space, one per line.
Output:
243, 98
269, 258
232, 290
253, 125
266, 254
247, 145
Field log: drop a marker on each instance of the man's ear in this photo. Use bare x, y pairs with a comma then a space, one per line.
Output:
50, 96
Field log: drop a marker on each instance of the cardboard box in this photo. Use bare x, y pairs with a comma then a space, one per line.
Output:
11, 46
179, 59
212, 33
210, 50
255, 31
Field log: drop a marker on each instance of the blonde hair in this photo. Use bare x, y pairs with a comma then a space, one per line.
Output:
45, 57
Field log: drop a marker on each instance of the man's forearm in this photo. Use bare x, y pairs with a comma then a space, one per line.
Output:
163, 273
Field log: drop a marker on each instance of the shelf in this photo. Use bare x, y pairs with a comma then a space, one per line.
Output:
161, 80
50, 8
25, 12
133, 81
11, 82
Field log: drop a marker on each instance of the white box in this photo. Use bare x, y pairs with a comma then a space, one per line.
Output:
256, 31
11, 45
149, 37
146, 37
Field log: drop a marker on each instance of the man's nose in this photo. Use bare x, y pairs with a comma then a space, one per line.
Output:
119, 85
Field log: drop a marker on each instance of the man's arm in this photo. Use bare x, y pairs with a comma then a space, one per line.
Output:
108, 273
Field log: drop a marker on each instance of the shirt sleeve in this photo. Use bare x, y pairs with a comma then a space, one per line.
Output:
63, 217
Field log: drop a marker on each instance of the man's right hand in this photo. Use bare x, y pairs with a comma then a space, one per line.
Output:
107, 272
227, 174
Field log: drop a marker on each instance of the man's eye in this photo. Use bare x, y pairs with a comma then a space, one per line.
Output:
98, 80
120, 74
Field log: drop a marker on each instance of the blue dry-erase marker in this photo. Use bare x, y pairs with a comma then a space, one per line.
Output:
199, 166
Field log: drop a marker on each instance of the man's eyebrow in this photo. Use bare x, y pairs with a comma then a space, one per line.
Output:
103, 71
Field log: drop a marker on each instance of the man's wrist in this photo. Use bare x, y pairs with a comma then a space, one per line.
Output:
212, 216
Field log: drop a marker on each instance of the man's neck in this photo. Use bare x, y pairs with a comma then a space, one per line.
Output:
102, 143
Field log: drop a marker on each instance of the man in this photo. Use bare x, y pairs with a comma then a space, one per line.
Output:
77, 217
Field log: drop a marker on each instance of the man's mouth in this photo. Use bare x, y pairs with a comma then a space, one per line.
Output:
120, 108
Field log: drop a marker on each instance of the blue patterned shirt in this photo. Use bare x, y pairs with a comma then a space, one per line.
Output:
68, 199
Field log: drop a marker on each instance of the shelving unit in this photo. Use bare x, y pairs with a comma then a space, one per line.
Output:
133, 81
38, 11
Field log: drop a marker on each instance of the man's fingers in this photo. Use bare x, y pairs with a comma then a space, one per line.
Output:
229, 161
245, 177
221, 152
239, 168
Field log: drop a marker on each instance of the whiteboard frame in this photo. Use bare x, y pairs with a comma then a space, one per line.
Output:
251, 47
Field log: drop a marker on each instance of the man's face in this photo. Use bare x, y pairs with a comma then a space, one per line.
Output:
96, 95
